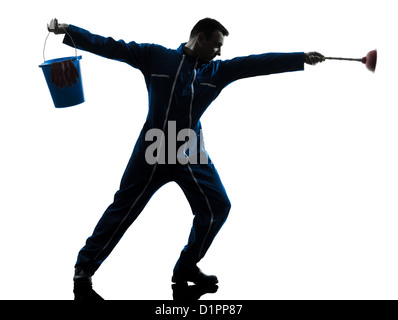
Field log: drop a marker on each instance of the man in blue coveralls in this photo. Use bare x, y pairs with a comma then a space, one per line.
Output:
181, 84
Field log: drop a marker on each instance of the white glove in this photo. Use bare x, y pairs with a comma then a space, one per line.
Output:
57, 28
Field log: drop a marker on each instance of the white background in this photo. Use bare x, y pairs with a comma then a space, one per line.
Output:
309, 159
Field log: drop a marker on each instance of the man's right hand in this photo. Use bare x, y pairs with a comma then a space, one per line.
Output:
57, 28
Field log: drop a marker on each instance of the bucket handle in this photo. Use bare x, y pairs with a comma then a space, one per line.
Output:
45, 41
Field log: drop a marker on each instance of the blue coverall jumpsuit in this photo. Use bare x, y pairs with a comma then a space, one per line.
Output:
180, 88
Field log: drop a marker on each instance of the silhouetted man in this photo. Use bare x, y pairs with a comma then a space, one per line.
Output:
181, 84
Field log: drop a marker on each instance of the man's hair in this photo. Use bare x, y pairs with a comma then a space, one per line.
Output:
208, 26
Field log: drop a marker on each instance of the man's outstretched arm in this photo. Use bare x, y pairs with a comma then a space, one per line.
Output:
132, 53
265, 64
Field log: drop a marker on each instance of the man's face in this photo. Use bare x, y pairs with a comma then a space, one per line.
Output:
210, 48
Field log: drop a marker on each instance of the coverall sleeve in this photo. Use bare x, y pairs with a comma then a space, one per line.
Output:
262, 64
132, 53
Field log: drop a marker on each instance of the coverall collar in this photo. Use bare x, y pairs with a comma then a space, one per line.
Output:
180, 50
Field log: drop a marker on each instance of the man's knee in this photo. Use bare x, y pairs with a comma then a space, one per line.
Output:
224, 207
227, 206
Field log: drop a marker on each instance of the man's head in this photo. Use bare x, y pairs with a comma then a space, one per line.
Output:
207, 38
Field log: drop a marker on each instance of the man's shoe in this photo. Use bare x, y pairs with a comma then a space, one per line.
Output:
83, 288
84, 292
199, 278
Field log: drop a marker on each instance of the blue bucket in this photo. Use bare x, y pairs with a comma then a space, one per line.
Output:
67, 96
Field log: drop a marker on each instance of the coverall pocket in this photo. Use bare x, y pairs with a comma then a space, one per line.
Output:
155, 75
208, 84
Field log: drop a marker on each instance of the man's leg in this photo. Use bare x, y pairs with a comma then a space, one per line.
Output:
136, 189
210, 205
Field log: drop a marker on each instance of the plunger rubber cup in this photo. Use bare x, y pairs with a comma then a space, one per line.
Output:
370, 60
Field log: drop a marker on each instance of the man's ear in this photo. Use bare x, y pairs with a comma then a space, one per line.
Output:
201, 38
